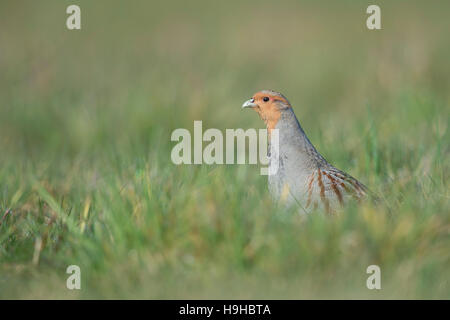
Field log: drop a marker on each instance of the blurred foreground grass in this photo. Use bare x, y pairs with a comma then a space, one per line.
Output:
85, 170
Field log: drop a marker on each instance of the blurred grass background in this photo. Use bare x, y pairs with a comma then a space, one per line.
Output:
85, 170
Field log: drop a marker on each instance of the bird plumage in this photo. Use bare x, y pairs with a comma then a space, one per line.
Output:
303, 176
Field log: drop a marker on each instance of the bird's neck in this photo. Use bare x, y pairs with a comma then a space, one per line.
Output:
270, 118
293, 140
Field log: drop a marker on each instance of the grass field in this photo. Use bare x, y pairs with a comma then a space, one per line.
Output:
85, 170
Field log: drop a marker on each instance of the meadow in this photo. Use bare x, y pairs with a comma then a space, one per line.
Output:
85, 171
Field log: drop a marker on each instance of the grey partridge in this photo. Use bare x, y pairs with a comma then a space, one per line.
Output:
302, 176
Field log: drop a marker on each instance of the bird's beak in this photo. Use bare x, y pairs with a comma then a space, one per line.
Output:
249, 104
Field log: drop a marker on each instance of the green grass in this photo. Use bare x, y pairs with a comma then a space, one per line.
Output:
85, 170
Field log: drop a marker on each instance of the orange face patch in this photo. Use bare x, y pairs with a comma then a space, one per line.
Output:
268, 108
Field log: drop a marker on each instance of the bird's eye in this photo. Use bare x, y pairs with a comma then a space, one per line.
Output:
265, 99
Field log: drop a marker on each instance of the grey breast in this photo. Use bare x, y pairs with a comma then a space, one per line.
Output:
297, 157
